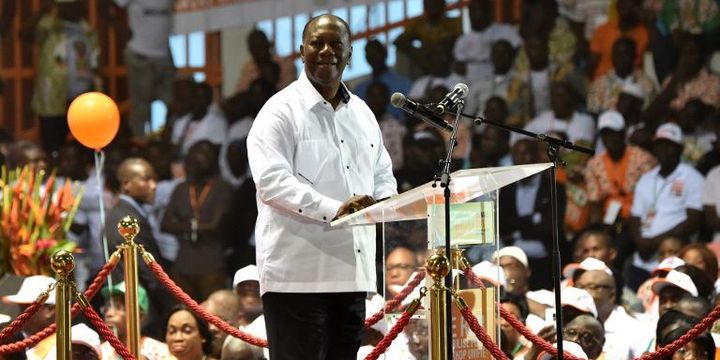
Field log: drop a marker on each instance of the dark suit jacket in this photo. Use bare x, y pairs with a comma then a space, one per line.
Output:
160, 299
510, 221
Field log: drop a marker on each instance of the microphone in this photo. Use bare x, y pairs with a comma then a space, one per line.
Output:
451, 99
399, 101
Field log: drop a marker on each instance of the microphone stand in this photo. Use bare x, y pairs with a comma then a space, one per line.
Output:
553, 149
444, 179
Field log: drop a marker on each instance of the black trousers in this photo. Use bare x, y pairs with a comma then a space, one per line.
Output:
314, 326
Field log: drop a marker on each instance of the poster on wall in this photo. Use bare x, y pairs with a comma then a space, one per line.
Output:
211, 15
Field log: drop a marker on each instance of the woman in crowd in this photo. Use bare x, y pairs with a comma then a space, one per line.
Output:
187, 335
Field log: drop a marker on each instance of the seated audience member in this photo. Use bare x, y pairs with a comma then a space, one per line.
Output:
667, 202
672, 325
711, 201
576, 302
438, 73
671, 289
645, 294
598, 243
474, 48
85, 344
377, 98
226, 305
630, 104
548, 334
422, 150
376, 55
628, 25
514, 263
525, 216
26, 153
697, 138
691, 80
703, 282
400, 263
246, 284
491, 148
711, 159
563, 117
701, 257
187, 335
605, 90
622, 331
517, 305
236, 349
611, 175
115, 317
29, 291
694, 306
587, 332
432, 30
205, 121
540, 18
496, 83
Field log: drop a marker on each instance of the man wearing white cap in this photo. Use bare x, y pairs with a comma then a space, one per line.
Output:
611, 175
246, 284
667, 201
29, 291
672, 288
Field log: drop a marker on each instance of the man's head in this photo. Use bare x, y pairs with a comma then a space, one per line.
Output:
630, 102
326, 49
597, 243
246, 284
668, 146
400, 263
562, 99
259, 46
588, 332
29, 291
517, 272
496, 109
226, 305
422, 150
611, 126
201, 162
502, 56
516, 305
536, 47
672, 288
376, 55
691, 57
623, 56
692, 115
629, 13
481, 14
494, 143
71, 11
601, 287
434, 10
525, 151
137, 180
236, 349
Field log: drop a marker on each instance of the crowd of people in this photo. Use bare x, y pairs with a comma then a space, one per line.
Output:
636, 80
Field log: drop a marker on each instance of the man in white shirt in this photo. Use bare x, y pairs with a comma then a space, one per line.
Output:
150, 67
316, 154
667, 199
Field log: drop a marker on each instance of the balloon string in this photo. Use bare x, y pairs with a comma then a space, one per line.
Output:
99, 165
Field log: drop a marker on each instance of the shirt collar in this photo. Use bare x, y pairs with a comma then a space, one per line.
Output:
135, 204
312, 97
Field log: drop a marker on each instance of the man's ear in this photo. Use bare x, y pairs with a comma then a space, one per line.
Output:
302, 53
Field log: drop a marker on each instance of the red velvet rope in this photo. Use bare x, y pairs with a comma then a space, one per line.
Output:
483, 336
39, 336
393, 304
108, 334
180, 295
382, 346
661, 353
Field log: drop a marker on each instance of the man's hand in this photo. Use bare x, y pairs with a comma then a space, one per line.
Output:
354, 204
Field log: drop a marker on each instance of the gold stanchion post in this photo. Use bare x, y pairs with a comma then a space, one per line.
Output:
63, 263
128, 228
438, 266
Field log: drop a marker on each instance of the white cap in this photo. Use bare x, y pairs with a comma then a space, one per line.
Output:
542, 296
677, 279
514, 252
588, 264
372, 306
669, 263
669, 131
568, 346
83, 335
612, 120
579, 299
4, 318
491, 273
30, 290
248, 273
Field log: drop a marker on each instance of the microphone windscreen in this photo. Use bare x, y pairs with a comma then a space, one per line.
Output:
397, 100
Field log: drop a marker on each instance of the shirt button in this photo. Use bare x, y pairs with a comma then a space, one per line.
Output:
372, 145
324, 217
342, 141
358, 250
347, 167
300, 210
353, 194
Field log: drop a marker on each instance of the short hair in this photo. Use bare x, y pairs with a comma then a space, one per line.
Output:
518, 300
315, 18
601, 230
707, 256
123, 171
202, 325
625, 41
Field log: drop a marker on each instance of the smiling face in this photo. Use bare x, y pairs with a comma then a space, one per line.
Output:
325, 50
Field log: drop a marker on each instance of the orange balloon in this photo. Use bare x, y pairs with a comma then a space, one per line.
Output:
93, 119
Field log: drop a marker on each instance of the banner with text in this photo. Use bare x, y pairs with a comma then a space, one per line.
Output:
211, 15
